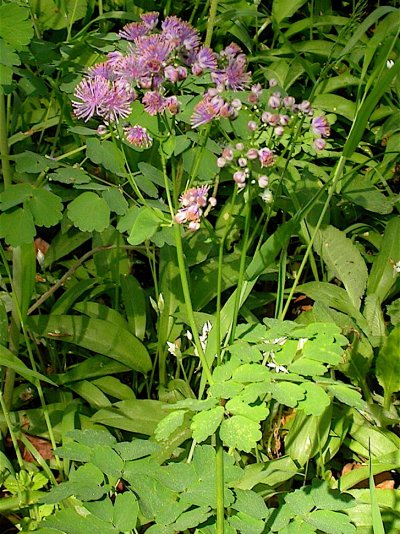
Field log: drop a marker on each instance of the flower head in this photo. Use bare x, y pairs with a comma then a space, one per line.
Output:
180, 34
205, 59
150, 19
234, 75
319, 144
104, 70
320, 126
193, 201
266, 157
206, 110
138, 136
91, 95
117, 104
133, 30
154, 102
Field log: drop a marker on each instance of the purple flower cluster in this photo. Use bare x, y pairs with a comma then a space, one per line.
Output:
100, 96
245, 160
193, 202
248, 161
152, 69
138, 136
212, 106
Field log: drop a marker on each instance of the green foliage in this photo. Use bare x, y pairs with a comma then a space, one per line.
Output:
188, 378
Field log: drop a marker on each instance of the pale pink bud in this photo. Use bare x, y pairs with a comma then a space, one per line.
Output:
242, 162
263, 181
102, 129
193, 226
252, 126
274, 102
319, 144
227, 153
252, 153
221, 162
171, 74
236, 103
239, 177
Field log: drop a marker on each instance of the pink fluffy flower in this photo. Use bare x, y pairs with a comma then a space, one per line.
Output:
138, 136
205, 59
193, 201
320, 126
266, 157
91, 95
180, 34
154, 102
150, 19
133, 30
206, 110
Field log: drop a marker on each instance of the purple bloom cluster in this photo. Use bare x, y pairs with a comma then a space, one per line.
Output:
212, 106
138, 136
248, 161
152, 69
100, 96
193, 202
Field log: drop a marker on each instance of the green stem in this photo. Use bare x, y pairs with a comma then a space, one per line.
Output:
9, 382
5, 162
242, 268
219, 280
20, 320
17, 502
211, 22
336, 177
219, 476
10, 429
188, 302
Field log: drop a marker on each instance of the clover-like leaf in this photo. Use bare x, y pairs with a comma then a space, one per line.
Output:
17, 227
16, 27
106, 154
255, 413
316, 399
115, 200
204, 424
14, 195
8, 56
33, 163
287, 393
46, 207
69, 175
240, 432
89, 212
169, 424
145, 226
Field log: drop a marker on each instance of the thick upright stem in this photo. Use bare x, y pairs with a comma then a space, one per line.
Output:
188, 303
219, 477
5, 162
211, 22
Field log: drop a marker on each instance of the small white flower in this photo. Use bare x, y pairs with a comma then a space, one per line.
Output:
301, 343
189, 335
396, 267
389, 63
279, 340
172, 348
273, 365
161, 303
267, 196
